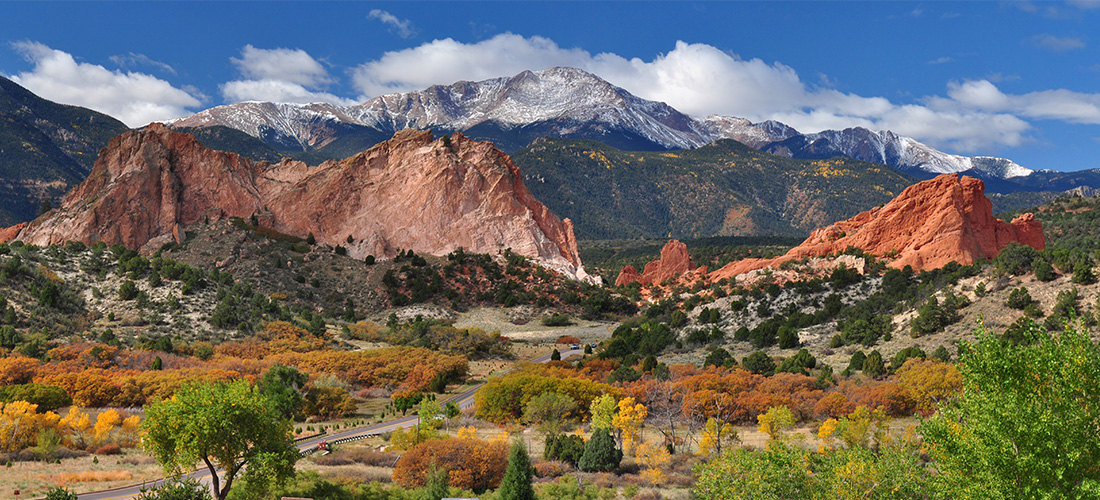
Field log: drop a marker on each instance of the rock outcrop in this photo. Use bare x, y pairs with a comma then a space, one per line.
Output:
410, 192
673, 262
931, 223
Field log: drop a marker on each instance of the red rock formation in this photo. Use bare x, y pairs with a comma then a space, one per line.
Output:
673, 262
931, 223
628, 275
406, 193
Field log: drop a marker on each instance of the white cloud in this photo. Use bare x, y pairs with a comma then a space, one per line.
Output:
1059, 104
291, 65
699, 79
134, 59
941, 60
277, 91
135, 98
1056, 44
403, 27
280, 75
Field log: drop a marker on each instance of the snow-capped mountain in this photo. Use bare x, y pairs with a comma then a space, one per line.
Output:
564, 102
903, 153
571, 103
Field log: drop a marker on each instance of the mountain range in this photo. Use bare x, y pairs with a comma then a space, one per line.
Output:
46, 148
570, 103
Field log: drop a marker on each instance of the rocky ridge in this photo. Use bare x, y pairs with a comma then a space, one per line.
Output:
673, 262
408, 193
929, 224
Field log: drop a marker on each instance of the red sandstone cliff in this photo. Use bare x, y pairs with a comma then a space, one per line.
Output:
406, 193
673, 262
931, 223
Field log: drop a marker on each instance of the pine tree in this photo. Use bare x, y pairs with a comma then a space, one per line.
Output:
600, 453
516, 484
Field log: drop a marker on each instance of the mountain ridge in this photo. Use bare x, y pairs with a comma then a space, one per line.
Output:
571, 103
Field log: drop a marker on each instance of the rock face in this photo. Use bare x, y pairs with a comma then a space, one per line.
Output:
673, 262
411, 192
931, 223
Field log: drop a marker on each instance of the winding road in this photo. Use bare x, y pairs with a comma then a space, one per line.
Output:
464, 400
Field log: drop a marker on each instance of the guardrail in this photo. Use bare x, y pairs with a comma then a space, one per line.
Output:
313, 449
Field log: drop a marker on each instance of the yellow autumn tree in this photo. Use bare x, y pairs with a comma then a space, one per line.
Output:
654, 458
19, 425
629, 422
827, 435
603, 412
75, 427
864, 427
128, 434
775, 421
468, 431
716, 435
106, 424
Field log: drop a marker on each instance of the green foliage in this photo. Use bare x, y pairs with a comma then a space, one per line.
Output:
516, 484
718, 357
60, 493
873, 366
1015, 259
226, 425
127, 290
934, 317
186, 489
504, 399
567, 448
759, 363
600, 453
438, 485
548, 411
556, 320
1019, 298
282, 386
648, 338
783, 471
801, 362
1024, 425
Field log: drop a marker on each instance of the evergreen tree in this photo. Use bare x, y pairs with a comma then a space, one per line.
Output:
516, 484
873, 366
438, 484
600, 453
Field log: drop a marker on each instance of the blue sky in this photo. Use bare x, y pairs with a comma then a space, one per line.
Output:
1013, 79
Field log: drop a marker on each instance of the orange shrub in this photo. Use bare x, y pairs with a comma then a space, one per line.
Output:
470, 463
833, 405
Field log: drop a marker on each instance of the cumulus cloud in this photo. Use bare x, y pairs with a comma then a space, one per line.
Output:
403, 27
1059, 104
1056, 44
700, 79
279, 75
135, 98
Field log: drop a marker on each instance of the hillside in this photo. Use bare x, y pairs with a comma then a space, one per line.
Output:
45, 149
722, 189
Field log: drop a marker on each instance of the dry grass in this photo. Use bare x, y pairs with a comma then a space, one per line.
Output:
90, 476
81, 474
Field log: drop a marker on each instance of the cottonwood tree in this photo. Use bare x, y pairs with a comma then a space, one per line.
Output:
1027, 423
226, 426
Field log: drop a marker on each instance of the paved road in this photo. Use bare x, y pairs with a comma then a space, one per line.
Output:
464, 400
